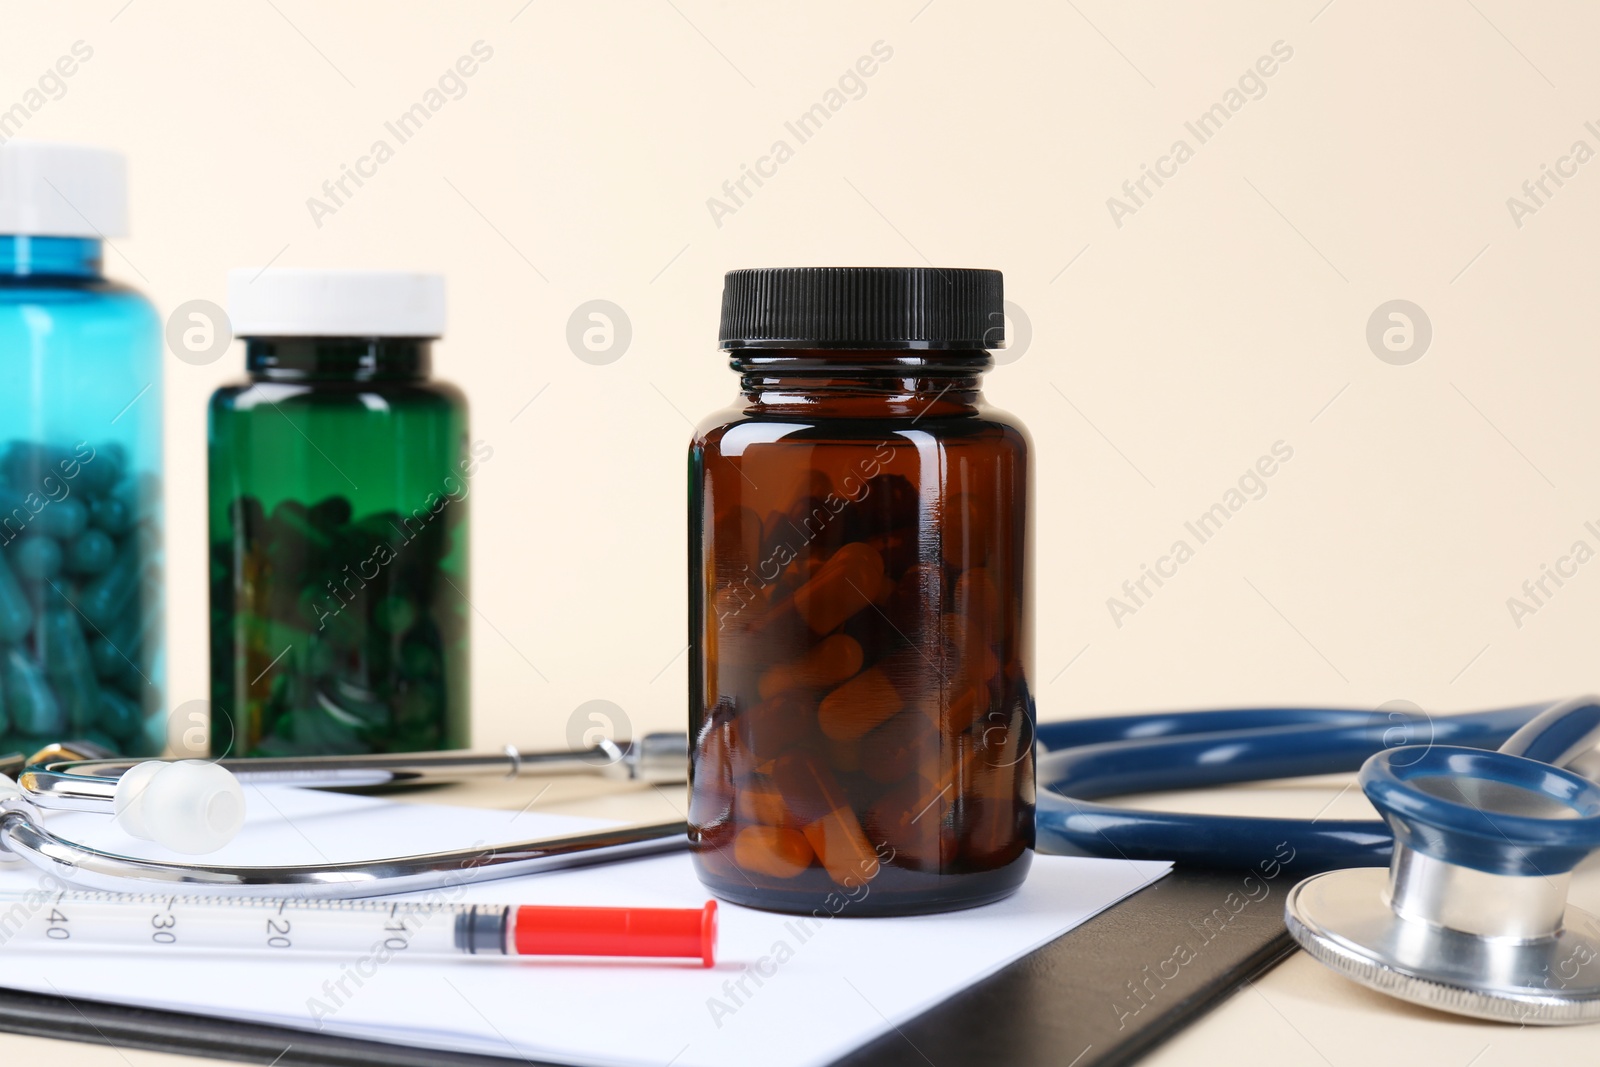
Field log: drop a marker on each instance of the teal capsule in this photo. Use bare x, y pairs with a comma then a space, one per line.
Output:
101, 738
91, 552
112, 514
107, 594
116, 650
63, 519
38, 557
119, 716
99, 473
68, 666
34, 709
16, 614
107, 657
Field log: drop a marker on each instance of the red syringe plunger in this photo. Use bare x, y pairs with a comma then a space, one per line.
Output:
543, 930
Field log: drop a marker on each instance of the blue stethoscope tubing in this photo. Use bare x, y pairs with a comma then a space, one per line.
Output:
1083, 760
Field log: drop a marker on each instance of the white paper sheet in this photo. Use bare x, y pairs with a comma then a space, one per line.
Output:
786, 992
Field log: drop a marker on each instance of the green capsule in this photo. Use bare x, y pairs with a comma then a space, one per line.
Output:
394, 614
419, 660
34, 709
292, 523
318, 733
16, 614
91, 552
119, 716
354, 706
330, 513
420, 703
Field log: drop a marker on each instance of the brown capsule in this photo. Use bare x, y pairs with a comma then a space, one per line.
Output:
895, 749
843, 848
997, 830
958, 706
812, 484
830, 662
977, 600
768, 729
969, 641
844, 756
831, 826
762, 803
858, 705
911, 826
898, 549
794, 574
815, 515
844, 585
902, 615
772, 851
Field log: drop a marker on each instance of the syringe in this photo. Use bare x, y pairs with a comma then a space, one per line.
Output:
387, 929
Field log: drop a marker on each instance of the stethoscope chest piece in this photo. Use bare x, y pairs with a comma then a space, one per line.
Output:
1472, 915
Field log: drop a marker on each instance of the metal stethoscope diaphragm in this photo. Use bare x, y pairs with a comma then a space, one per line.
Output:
1472, 915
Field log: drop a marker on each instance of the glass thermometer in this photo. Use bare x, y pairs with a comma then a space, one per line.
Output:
392, 928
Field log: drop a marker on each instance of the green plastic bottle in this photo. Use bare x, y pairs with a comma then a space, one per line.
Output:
339, 483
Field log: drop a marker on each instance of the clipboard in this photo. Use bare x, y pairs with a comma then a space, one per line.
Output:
1106, 993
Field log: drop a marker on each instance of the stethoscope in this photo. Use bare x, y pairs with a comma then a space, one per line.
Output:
1471, 917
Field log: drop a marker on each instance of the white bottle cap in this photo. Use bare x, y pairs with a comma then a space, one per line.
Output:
335, 303
53, 189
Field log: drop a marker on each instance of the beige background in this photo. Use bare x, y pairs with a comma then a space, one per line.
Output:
1223, 316
1229, 312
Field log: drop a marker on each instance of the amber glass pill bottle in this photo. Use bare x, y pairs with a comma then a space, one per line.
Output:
860, 630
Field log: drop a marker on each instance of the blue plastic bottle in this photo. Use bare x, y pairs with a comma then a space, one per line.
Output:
81, 597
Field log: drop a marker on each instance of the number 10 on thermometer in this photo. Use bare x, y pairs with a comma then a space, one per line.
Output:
399, 928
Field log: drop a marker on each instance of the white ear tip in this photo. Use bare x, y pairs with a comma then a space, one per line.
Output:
190, 806
129, 798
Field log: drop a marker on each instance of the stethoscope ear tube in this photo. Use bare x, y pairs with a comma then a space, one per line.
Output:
1117, 755
23, 835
